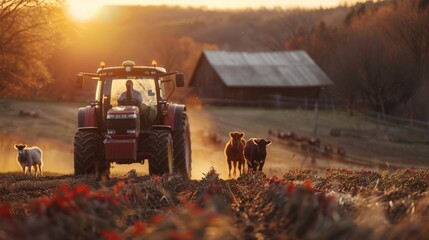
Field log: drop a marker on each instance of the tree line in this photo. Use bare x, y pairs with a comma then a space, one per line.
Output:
375, 52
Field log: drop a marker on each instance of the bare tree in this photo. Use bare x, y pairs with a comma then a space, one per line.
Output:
284, 27
181, 54
407, 24
30, 30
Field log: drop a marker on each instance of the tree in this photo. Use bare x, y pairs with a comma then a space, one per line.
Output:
290, 27
181, 54
30, 30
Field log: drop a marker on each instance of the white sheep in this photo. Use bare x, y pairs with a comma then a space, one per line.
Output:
28, 157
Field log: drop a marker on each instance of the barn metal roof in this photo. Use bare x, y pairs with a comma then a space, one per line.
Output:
267, 69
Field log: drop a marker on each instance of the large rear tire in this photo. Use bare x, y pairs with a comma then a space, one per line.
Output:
87, 146
158, 144
182, 147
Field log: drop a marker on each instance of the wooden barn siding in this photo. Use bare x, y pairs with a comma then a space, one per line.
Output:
207, 82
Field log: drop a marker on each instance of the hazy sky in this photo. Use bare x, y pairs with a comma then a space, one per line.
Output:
232, 3
85, 9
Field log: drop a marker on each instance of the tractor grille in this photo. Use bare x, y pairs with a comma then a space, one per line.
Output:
121, 125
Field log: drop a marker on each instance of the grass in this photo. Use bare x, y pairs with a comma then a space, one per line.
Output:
371, 145
54, 129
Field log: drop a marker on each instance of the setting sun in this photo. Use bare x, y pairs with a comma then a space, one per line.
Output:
83, 10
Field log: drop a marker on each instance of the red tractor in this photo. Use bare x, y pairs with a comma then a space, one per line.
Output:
131, 121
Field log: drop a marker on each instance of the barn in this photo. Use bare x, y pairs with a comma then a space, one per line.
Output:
223, 76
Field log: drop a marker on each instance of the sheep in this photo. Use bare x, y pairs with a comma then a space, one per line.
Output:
28, 157
234, 151
255, 152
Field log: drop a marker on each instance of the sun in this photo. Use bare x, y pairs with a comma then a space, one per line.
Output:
82, 10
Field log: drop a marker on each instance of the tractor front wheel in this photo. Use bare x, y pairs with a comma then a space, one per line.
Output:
158, 144
88, 154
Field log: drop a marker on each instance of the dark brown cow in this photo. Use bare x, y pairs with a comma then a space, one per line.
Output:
234, 151
255, 153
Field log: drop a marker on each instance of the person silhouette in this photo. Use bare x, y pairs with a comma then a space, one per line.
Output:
130, 95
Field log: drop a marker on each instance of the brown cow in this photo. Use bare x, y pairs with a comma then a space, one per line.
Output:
255, 153
234, 151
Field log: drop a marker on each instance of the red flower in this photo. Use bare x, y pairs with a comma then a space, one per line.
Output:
62, 203
156, 179
157, 219
273, 178
138, 228
81, 190
307, 185
110, 235
185, 235
290, 188
63, 189
115, 201
5, 211
118, 187
115, 190
121, 184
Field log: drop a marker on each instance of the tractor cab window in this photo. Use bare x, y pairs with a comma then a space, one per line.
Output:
143, 90
162, 89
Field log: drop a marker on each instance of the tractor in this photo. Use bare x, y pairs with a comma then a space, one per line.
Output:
132, 121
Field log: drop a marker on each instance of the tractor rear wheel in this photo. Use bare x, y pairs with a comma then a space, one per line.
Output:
87, 146
182, 147
158, 144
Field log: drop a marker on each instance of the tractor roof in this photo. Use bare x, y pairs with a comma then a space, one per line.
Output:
123, 70
129, 67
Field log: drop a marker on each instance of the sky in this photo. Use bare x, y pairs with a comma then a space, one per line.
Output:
85, 9
227, 3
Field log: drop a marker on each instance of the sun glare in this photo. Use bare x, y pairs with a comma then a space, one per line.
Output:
83, 10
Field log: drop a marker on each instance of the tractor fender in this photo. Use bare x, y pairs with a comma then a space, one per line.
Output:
87, 118
161, 127
174, 115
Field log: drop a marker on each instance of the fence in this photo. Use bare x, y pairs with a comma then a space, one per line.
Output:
395, 121
322, 104
272, 102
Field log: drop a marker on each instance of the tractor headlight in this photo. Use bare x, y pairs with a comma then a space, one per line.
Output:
111, 131
131, 131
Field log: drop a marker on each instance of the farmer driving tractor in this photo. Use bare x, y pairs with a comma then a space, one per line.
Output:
130, 94
134, 97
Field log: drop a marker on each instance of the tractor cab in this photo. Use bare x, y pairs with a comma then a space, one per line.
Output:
141, 94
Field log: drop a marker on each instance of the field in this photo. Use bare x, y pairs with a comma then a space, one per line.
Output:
366, 194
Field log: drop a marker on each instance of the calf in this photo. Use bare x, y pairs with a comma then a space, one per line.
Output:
234, 151
255, 153
29, 157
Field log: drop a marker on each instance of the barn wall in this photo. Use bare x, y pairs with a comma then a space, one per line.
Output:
257, 93
207, 82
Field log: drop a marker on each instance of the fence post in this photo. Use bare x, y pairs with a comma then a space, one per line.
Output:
316, 116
